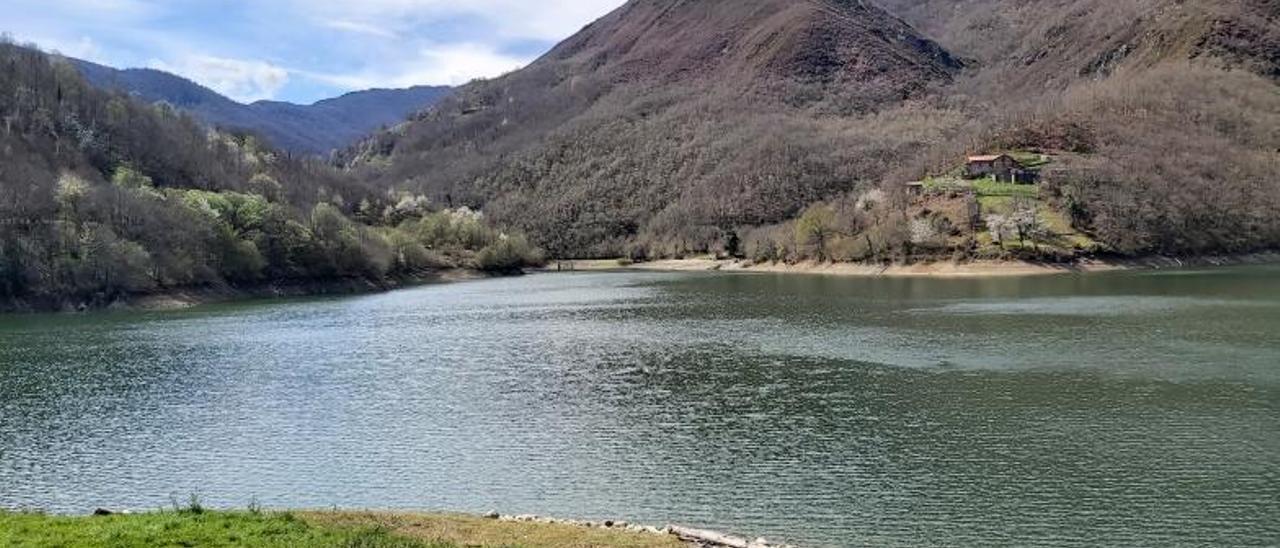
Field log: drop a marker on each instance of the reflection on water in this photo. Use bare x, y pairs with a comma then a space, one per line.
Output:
1129, 408
1084, 306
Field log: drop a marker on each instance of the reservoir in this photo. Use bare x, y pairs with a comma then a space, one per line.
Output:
1126, 408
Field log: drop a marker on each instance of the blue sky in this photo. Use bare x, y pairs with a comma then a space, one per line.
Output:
304, 50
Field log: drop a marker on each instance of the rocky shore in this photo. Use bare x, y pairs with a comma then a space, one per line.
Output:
693, 537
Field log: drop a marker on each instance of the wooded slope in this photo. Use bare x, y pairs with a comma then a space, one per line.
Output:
669, 126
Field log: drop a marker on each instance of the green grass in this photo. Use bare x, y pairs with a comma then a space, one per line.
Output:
192, 528
998, 205
1030, 160
988, 188
943, 184
196, 527
1068, 237
1061, 238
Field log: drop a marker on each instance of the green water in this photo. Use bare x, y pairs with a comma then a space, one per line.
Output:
1112, 409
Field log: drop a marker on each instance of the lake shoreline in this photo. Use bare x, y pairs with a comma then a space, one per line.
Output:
180, 298
440, 528
935, 269
189, 297
196, 525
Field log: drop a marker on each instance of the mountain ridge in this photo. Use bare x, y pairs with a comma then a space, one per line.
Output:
1045, 40
624, 86
316, 128
669, 127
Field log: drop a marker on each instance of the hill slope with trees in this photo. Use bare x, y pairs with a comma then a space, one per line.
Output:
103, 196
667, 116
672, 127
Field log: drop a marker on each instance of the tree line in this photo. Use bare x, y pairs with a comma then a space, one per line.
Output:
102, 196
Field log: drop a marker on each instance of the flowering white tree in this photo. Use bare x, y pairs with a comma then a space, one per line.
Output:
1027, 225
1023, 223
923, 231
998, 225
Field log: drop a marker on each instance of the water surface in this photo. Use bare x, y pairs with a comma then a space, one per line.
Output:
1077, 410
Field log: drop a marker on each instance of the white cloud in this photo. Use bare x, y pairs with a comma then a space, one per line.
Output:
360, 28
241, 48
417, 42
520, 19
81, 48
445, 64
242, 80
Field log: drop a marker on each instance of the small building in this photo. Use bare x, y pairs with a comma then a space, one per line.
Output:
915, 188
1000, 166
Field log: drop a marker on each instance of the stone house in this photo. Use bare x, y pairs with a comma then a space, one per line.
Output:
1001, 166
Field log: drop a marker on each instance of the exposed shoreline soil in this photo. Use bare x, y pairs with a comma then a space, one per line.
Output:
572, 532
187, 297
939, 269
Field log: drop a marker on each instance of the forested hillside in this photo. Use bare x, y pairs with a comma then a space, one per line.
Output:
667, 121
308, 129
1056, 41
787, 129
102, 196
778, 130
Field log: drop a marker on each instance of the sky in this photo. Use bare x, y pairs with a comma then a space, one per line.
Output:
304, 50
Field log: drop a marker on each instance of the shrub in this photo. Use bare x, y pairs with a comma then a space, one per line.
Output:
127, 177
815, 229
509, 253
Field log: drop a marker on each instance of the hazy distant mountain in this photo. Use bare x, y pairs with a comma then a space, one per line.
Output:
317, 128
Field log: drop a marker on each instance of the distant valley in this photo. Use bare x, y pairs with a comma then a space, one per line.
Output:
308, 129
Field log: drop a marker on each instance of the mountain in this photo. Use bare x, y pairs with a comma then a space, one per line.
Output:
1047, 42
671, 127
762, 46
669, 114
316, 129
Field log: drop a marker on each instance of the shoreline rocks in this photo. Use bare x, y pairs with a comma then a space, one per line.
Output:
693, 537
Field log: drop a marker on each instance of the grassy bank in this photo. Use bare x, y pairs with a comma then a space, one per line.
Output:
311, 529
